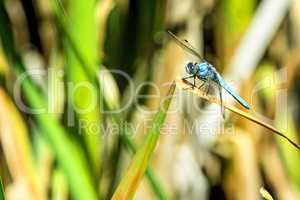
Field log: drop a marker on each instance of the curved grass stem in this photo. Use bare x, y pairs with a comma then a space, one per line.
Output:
187, 86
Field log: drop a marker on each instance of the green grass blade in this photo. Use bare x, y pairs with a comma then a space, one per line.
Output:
79, 28
2, 196
117, 118
75, 167
68, 153
135, 172
155, 184
131, 148
59, 188
130, 145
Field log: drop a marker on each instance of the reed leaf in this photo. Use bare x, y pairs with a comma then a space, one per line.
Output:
130, 181
79, 26
154, 182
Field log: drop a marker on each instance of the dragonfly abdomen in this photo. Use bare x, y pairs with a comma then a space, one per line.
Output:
232, 92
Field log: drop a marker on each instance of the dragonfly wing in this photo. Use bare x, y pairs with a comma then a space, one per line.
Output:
224, 85
221, 100
185, 45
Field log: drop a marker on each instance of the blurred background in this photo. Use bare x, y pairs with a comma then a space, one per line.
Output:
81, 80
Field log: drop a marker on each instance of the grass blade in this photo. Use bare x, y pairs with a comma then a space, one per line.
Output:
2, 196
16, 146
117, 118
135, 172
75, 167
186, 85
79, 29
59, 186
155, 184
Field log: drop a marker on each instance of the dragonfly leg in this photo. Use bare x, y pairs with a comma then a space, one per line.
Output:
201, 85
208, 87
193, 85
205, 83
194, 82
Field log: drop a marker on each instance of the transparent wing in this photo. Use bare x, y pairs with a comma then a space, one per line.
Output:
221, 99
185, 45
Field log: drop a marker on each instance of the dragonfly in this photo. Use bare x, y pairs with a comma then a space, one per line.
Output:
206, 72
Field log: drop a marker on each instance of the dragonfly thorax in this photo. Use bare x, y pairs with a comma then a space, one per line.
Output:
203, 69
199, 69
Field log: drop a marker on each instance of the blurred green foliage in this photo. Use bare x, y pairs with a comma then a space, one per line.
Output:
87, 38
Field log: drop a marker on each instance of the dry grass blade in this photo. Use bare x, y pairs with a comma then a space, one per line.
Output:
186, 85
16, 147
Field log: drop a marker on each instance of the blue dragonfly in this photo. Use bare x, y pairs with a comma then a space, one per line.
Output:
205, 72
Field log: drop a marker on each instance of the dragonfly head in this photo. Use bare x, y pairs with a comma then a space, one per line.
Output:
191, 68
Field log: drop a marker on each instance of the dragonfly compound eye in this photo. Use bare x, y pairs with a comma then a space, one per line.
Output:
189, 68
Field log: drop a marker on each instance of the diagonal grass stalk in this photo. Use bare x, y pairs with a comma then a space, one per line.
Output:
140, 161
186, 85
